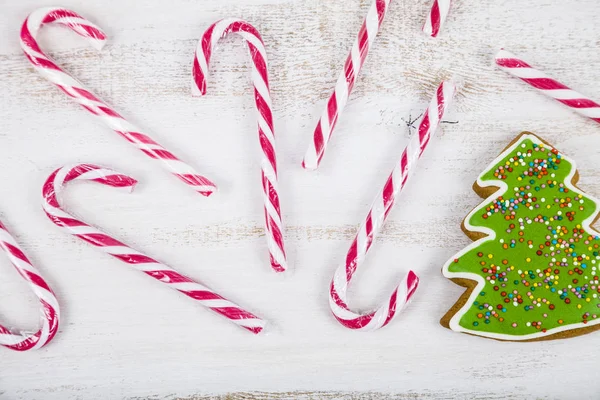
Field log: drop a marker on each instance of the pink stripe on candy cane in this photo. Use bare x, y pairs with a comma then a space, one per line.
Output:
367, 233
50, 312
345, 83
74, 89
549, 86
262, 96
161, 272
437, 15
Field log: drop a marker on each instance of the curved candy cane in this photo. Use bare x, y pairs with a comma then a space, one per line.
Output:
437, 15
262, 96
367, 233
345, 83
173, 279
23, 341
78, 92
550, 87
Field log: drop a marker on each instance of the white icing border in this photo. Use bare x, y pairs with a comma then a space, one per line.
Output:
491, 235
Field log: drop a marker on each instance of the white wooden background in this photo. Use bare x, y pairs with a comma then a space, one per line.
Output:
124, 336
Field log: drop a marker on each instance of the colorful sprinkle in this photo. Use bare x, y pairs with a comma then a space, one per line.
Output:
541, 270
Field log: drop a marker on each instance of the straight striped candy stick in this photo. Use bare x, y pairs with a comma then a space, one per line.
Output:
436, 18
50, 310
84, 97
266, 136
368, 231
155, 269
345, 83
549, 86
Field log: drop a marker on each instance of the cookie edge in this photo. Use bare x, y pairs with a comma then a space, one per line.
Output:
486, 192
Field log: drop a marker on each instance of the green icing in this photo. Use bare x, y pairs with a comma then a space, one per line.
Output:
541, 270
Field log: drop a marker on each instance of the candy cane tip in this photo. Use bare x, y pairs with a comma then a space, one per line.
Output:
412, 274
427, 29
98, 44
268, 328
411, 283
197, 91
429, 32
501, 54
131, 187
254, 325
308, 165
207, 192
279, 267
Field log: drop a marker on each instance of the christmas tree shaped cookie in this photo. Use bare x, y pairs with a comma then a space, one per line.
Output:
533, 271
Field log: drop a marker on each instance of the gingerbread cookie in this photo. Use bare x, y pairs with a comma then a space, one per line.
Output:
532, 272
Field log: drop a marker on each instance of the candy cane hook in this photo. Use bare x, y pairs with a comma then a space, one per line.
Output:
50, 310
262, 96
367, 233
173, 279
79, 93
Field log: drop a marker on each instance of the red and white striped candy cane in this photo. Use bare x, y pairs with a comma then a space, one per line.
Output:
437, 15
167, 275
547, 85
262, 96
23, 341
78, 92
345, 83
367, 233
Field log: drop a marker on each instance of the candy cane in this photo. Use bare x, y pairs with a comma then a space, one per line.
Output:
262, 96
437, 15
547, 85
74, 89
345, 83
173, 279
50, 310
367, 233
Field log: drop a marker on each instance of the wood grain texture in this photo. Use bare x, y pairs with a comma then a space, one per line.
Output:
124, 336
